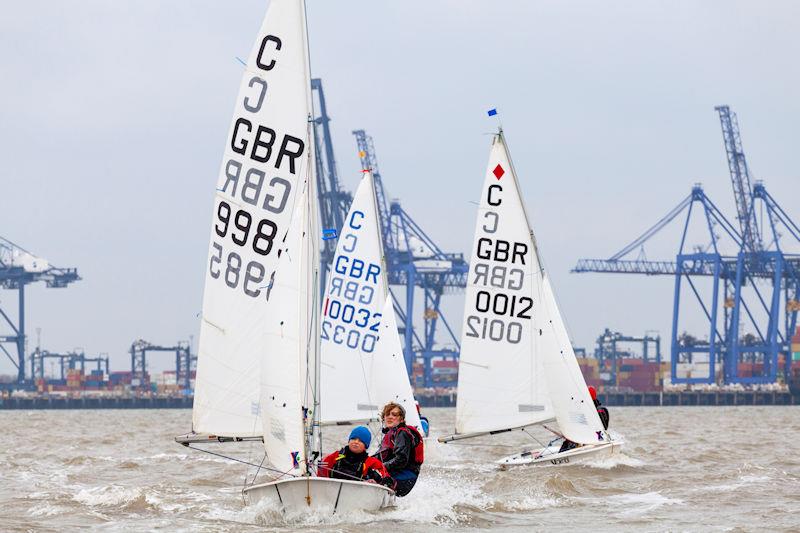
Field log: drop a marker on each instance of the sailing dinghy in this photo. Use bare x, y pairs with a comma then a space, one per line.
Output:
361, 364
517, 368
258, 374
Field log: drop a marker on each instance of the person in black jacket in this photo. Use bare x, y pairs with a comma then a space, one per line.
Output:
397, 452
601, 411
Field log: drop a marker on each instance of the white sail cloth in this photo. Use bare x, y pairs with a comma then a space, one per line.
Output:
288, 369
501, 383
265, 162
388, 378
362, 359
517, 366
351, 312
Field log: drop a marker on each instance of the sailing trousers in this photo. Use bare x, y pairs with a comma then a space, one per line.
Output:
404, 482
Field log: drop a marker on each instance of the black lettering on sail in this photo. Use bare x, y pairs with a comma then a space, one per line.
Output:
260, 56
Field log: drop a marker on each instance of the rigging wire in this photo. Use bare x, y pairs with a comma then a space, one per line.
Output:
244, 462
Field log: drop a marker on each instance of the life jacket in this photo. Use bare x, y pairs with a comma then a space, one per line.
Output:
348, 469
603, 412
418, 455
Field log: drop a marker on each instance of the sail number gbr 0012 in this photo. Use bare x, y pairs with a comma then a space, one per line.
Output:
499, 304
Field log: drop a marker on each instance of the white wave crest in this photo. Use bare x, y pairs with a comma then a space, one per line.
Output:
107, 495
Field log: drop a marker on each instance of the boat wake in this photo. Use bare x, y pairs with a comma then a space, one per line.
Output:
615, 461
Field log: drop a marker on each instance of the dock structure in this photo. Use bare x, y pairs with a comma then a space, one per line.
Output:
438, 399
94, 402
680, 398
658, 398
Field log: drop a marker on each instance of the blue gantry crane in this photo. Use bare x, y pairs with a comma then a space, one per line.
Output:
18, 268
413, 258
66, 361
185, 362
752, 309
416, 262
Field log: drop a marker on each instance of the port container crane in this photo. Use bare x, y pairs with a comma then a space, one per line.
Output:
757, 285
19, 268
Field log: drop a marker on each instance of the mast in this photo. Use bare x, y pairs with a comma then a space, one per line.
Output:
314, 441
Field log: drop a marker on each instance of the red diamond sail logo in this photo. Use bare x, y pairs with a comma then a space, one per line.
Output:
498, 172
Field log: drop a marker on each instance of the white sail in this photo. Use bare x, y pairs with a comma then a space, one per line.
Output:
388, 381
575, 411
266, 161
288, 368
501, 383
351, 312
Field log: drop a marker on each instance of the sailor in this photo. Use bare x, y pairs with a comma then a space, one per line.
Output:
352, 462
401, 448
602, 411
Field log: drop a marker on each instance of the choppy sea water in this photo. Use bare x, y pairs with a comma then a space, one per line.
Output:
690, 468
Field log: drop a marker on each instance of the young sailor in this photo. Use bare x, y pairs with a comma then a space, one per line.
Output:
401, 448
602, 411
352, 462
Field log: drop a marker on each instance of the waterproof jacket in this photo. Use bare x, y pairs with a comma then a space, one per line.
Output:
397, 450
344, 464
603, 412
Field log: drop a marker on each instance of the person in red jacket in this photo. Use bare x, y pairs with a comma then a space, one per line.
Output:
352, 462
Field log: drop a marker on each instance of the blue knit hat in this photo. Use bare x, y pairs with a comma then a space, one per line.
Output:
361, 433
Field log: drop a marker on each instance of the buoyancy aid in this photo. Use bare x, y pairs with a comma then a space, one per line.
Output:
416, 456
603, 413
344, 464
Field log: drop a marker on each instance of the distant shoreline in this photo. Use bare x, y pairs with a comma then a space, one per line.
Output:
617, 399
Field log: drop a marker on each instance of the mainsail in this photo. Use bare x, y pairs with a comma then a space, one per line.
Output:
362, 361
351, 311
265, 163
501, 382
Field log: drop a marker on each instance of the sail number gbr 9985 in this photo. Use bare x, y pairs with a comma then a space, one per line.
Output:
244, 232
499, 304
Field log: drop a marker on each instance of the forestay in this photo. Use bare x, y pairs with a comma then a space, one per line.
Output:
352, 311
266, 156
501, 382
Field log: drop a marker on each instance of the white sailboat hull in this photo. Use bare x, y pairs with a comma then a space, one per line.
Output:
320, 495
549, 456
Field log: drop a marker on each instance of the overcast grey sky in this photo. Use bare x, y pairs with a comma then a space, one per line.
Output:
113, 118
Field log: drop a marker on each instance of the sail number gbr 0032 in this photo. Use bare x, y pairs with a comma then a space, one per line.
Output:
498, 329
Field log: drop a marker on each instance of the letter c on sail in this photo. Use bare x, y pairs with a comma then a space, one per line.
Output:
492, 188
